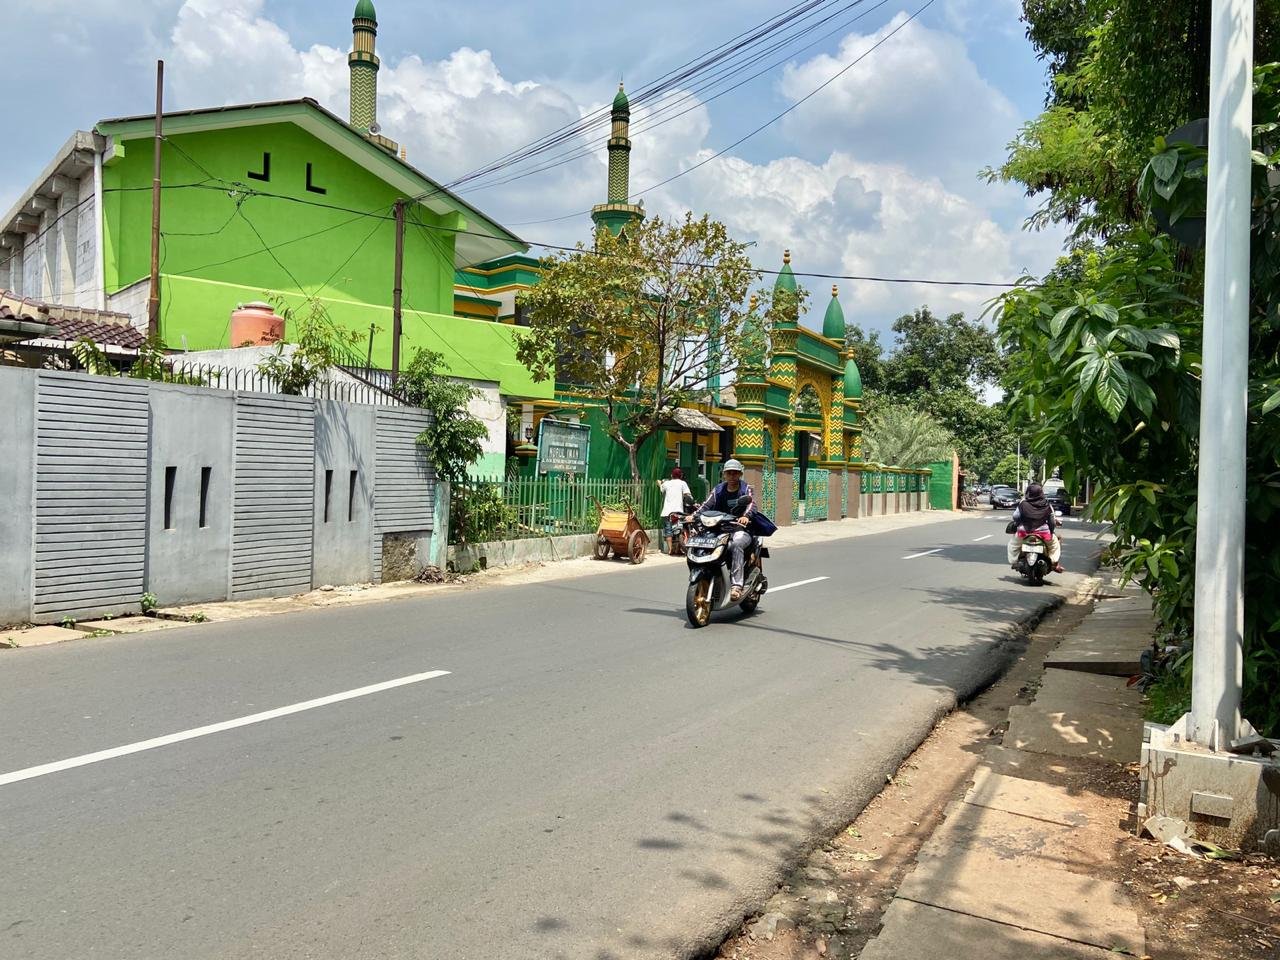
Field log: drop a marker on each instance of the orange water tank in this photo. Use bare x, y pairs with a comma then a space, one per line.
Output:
255, 324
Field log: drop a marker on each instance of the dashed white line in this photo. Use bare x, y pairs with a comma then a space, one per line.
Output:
798, 583
980, 539
87, 758
924, 554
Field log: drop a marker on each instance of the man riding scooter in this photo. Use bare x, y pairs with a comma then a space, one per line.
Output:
734, 496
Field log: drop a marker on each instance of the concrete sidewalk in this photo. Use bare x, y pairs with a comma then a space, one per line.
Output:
1018, 867
361, 593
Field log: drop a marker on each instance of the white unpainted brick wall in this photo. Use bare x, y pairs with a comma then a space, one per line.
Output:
86, 251
59, 260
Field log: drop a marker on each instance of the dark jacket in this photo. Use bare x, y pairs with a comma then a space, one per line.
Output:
720, 497
1051, 520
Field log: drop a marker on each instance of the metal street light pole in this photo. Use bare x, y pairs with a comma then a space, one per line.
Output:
1219, 600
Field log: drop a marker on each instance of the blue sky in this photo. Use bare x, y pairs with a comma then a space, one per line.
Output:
875, 175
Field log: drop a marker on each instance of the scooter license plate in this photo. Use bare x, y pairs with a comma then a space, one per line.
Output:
702, 541
1033, 549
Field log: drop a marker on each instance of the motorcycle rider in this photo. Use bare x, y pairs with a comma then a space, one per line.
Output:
1034, 514
674, 494
734, 496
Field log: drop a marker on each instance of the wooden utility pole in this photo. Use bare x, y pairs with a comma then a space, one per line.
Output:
396, 292
153, 301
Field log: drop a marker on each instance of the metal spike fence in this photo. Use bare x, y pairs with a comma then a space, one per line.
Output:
338, 383
495, 508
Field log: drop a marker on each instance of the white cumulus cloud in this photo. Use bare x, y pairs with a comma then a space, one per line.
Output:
877, 174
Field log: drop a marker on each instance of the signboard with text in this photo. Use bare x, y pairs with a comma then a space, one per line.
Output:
563, 447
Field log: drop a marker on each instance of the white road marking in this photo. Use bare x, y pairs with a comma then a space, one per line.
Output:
124, 751
798, 583
987, 537
924, 554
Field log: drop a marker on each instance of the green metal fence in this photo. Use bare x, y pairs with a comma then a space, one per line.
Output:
494, 508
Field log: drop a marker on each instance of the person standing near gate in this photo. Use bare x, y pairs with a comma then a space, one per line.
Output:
674, 494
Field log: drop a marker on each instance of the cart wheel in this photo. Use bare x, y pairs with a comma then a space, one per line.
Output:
635, 547
602, 548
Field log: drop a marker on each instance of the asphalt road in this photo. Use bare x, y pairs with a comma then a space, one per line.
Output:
591, 779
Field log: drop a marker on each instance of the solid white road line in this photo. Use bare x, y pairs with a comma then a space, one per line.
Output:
924, 554
87, 758
980, 539
798, 583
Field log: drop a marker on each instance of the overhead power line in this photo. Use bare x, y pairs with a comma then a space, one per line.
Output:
652, 90
768, 123
696, 96
380, 215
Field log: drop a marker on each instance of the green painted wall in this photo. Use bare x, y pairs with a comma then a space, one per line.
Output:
941, 484
214, 252
608, 460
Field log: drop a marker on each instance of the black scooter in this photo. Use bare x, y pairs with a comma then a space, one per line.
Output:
1033, 558
709, 560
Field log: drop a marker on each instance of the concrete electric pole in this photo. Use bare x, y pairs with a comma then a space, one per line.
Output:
1214, 720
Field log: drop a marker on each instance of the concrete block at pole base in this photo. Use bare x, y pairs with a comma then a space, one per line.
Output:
1229, 800
923, 932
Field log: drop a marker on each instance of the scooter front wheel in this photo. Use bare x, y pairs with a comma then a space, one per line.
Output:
697, 603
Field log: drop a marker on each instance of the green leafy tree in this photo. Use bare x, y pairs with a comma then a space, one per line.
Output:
454, 440
903, 436
1006, 470
1104, 355
934, 355
944, 367
868, 354
455, 436
641, 322
1119, 77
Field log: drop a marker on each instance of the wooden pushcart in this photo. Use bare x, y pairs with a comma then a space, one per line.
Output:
620, 532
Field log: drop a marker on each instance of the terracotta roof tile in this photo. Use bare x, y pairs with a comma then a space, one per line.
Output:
73, 323
116, 334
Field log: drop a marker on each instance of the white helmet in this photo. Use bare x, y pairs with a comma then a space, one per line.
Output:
732, 465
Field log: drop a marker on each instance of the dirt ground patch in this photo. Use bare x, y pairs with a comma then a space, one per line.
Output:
1203, 909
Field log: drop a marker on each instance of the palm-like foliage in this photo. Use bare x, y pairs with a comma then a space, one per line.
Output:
904, 437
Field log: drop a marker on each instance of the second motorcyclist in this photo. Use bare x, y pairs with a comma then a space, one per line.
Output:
1035, 514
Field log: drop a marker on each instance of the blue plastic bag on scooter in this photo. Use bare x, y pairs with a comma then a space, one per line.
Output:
761, 526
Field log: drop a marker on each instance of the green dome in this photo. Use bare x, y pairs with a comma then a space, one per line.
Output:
620, 102
833, 322
786, 279
852, 381
365, 11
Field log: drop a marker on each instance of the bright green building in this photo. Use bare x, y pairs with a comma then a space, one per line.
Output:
281, 201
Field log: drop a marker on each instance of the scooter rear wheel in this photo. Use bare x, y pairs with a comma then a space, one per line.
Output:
697, 603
